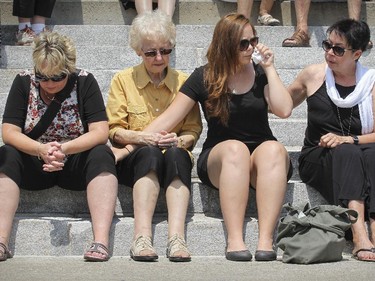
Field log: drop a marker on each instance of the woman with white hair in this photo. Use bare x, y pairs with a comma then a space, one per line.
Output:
136, 97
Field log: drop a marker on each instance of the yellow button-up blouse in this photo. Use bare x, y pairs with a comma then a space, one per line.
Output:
133, 101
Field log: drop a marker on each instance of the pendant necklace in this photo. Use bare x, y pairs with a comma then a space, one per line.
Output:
46, 95
350, 121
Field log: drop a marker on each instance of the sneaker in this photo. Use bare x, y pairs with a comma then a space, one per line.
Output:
25, 37
268, 20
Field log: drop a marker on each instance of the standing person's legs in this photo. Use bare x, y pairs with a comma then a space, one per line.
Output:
269, 170
143, 6
167, 6
300, 38
264, 14
245, 7
228, 168
354, 9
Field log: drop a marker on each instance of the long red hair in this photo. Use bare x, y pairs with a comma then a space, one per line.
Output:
223, 61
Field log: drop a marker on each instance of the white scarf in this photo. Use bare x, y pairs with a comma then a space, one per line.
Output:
362, 95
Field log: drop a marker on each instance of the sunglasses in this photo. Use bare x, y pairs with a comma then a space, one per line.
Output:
56, 78
154, 52
338, 51
245, 43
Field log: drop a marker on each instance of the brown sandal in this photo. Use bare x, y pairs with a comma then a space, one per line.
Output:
298, 39
4, 252
97, 248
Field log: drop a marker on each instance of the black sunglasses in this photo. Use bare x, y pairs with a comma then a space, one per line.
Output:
56, 78
154, 52
245, 43
338, 51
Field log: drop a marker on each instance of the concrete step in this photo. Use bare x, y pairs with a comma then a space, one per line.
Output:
61, 227
104, 12
203, 200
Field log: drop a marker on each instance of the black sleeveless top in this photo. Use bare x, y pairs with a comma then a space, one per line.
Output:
324, 117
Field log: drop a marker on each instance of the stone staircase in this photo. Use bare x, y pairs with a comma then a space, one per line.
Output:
56, 222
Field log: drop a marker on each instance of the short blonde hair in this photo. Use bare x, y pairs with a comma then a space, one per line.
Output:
153, 26
54, 54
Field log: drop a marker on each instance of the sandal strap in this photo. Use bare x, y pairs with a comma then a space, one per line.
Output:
96, 246
5, 254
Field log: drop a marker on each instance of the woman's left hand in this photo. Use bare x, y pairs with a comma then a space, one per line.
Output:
331, 140
167, 140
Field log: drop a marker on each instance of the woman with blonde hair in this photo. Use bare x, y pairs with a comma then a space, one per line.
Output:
55, 131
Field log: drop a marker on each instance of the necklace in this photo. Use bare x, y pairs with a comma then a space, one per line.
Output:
350, 121
46, 95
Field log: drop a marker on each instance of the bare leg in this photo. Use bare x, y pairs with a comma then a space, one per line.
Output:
9, 197
229, 170
354, 9
143, 6
301, 36
270, 165
244, 7
302, 12
145, 196
101, 197
372, 229
178, 196
360, 236
265, 7
167, 6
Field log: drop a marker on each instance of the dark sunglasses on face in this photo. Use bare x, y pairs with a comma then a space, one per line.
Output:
338, 51
245, 43
56, 78
154, 52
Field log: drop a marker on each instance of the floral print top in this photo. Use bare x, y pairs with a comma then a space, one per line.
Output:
67, 124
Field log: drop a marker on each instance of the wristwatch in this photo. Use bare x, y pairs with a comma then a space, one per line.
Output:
355, 139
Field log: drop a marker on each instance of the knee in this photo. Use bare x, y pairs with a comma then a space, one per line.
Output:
235, 152
275, 151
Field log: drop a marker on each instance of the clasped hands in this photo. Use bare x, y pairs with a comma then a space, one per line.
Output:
52, 155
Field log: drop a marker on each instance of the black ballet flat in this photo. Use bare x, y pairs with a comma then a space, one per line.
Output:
265, 255
243, 255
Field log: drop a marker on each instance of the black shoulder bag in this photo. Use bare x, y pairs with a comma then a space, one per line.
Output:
53, 109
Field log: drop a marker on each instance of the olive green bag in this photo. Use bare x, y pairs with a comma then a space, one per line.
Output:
314, 235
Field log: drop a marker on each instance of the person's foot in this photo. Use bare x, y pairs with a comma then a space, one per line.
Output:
299, 39
268, 20
25, 37
142, 249
363, 250
97, 252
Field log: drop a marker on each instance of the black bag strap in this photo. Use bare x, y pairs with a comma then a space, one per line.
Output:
53, 109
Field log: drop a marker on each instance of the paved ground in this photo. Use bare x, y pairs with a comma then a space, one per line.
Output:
200, 268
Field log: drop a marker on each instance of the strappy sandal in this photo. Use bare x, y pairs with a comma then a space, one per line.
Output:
4, 252
298, 39
142, 249
97, 248
177, 246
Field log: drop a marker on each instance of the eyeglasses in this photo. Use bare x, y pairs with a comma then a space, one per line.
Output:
56, 78
245, 43
154, 52
338, 51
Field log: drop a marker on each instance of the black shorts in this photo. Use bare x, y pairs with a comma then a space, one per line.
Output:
30, 8
173, 162
27, 171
